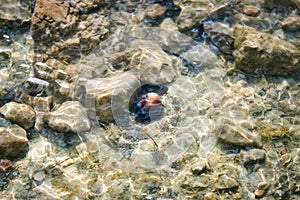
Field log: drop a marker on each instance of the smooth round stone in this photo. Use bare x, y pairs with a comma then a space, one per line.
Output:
39, 176
251, 10
259, 193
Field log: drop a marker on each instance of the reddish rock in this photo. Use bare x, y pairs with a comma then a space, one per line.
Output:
6, 165
51, 21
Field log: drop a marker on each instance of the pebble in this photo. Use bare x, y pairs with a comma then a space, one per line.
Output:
251, 11
259, 193
291, 24
155, 11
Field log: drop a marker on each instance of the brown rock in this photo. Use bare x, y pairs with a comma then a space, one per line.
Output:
69, 117
192, 13
51, 20
155, 11
262, 53
251, 10
12, 140
259, 193
291, 23
21, 114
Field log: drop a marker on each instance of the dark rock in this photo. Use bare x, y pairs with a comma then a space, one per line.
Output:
35, 86
6, 165
220, 35
282, 4
261, 53
13, 140
21, 114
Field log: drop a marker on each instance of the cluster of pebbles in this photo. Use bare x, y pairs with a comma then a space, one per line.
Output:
76, 86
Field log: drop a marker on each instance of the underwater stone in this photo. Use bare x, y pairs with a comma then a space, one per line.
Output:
108, 98
13, 140
152, 65
251, 10
253, 156
226, 182
21, 114
69, 117
240, 136
262, 53
35, 85
282, 4
192, 15
220, 35
155, 11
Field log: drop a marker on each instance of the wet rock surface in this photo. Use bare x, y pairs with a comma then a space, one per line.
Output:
21, 114
69, 117
13, 140
259, 53
110, 97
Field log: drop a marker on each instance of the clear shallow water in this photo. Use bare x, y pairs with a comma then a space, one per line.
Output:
127, 160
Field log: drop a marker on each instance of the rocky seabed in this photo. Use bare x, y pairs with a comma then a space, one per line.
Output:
226, 73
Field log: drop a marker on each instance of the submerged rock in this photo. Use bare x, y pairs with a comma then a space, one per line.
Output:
21, 114
13, 140
192, 14
69, 117
282, 4
220, 35
51, 20
240, 136
152, 65
155, 11
253, 156
262, 53
108, 98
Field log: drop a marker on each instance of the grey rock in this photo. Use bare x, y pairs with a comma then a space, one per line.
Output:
237, 135
21, 114
69, 117
35, 85
226, 182
191, 15
152, 65
108, 98
262, 53
253, 156
12, 140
